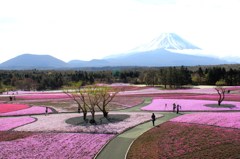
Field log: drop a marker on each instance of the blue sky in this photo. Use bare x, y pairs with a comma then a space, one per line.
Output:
88, 29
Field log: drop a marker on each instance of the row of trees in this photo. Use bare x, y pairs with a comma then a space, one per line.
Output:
210, 76
167, 76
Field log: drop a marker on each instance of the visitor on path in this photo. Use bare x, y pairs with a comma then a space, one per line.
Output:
153, 119
46, 111
165, 106
178, 108
174, 107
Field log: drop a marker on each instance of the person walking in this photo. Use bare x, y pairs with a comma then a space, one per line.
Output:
153, 119
46, 111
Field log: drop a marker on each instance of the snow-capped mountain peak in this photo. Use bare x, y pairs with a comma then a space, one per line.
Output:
166, 41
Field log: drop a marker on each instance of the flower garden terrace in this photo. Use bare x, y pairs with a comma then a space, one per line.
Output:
68, 136
197, 135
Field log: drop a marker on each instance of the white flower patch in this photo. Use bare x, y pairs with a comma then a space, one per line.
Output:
57, 123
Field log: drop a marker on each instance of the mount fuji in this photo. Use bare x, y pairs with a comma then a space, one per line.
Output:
168, 49
169, 41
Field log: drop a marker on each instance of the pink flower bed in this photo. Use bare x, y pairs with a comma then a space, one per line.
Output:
31, 110
188, 105
233, 88
12, 107
185, 91
157, 91
228, 97
55, 146
231, 120
28, 92
10, 123
42, 96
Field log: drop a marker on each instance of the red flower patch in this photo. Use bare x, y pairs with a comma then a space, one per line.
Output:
4, 108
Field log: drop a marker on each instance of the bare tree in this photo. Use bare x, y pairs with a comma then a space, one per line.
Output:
78, 98
74, 92
221, 92
90, 92
105, 96
90, 97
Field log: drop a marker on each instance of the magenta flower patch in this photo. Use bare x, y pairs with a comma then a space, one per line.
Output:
231, 120
31, 110
10, 123
188, 105
228, 97
55, 146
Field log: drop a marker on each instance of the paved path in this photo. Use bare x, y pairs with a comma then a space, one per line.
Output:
118, 147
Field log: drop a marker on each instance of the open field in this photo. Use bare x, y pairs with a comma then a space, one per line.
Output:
25, 125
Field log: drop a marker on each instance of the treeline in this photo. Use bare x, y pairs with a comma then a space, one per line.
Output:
169, 77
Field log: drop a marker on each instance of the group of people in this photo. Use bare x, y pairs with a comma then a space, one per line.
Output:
178, 107
11, 98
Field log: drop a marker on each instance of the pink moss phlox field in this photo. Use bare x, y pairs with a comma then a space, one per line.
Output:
43, 96
156, 91
28, 92
231, 120
228, 97
31, 110
13, 122
55, 146
187, 105
12, 107
233, 88
180, 91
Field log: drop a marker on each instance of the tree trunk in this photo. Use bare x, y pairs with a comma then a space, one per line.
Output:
85, 116
92, 121
105, 114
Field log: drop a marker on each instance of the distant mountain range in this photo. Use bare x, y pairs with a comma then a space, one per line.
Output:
161, 51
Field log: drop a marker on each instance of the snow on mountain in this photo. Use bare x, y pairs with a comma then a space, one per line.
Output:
169, 41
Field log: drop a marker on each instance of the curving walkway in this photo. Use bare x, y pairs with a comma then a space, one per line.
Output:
118, 147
